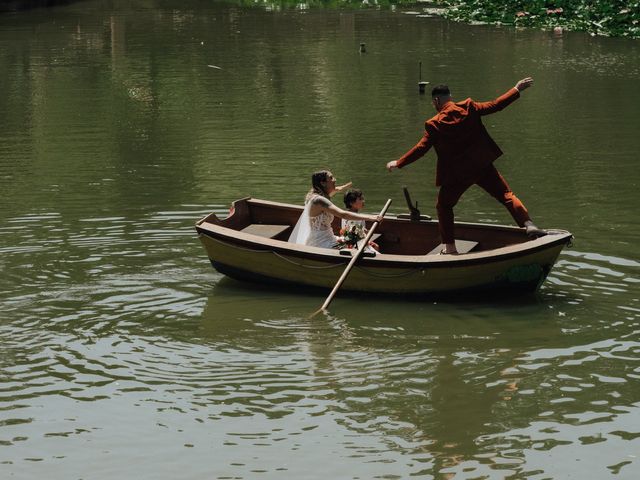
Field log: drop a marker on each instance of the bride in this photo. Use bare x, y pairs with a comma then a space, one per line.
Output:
314, 226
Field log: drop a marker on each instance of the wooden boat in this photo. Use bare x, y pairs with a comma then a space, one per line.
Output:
251, 244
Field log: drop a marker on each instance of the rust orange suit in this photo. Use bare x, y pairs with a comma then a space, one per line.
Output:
466, 154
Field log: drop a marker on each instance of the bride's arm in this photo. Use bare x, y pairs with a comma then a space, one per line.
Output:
338, 212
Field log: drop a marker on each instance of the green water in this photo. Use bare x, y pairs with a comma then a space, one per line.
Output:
124, 355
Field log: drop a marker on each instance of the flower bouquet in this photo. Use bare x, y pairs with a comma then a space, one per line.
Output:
350, 236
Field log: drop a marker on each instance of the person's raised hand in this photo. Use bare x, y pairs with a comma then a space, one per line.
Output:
392, 165
343, 187
524, 84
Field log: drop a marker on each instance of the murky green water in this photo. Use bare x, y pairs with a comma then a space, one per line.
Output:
124, 355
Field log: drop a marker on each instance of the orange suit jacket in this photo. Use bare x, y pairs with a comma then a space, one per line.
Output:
462, 143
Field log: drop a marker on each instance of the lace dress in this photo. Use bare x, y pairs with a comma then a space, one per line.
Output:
321, 234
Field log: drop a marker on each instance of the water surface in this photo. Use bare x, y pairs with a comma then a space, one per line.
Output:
123, 354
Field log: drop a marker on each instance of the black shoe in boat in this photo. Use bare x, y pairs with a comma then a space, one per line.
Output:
535, 232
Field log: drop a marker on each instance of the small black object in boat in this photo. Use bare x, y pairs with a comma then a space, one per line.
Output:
414, 213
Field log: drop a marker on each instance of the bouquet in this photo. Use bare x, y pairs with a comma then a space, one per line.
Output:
350, 236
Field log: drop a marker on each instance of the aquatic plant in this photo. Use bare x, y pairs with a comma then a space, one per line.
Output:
602, 17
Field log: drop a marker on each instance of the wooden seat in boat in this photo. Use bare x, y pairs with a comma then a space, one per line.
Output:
265, 230
463, 246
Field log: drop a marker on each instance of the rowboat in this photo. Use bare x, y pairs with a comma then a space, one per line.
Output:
251, 244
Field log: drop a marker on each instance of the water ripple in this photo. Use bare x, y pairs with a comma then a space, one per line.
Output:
122, 349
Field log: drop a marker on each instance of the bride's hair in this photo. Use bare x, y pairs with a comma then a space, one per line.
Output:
316, 184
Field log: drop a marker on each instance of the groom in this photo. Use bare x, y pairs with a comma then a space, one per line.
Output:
466, 154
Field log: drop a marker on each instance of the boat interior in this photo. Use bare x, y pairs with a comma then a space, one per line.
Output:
396, 234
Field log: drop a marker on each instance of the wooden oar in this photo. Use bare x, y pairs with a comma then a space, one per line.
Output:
354, 259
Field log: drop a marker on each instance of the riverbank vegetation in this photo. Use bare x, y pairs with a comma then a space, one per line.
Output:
602, 17
616, 18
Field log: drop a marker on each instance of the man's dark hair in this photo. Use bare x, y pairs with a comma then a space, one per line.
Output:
351, 196
441, 90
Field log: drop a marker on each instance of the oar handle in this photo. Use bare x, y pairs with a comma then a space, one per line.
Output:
354, 259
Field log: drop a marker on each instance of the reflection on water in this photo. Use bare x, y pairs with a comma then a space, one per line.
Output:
173, 352
124, 354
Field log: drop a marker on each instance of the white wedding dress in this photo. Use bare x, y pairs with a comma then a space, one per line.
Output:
321, 232
314, 231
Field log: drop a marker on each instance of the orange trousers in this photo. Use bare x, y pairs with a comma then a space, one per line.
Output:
494, 184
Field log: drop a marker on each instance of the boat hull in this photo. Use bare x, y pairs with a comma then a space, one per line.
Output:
506, 272
251, 244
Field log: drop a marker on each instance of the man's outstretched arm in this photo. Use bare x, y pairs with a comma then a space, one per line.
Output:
486, 108
414, 154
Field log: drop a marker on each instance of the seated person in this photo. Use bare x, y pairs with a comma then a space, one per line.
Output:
314, 226
354, 201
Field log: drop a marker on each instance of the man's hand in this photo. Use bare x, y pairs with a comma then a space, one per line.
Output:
524, 84
392, 165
